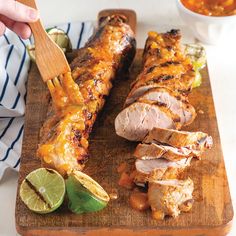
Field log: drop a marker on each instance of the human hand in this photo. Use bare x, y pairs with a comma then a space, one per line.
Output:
15, 16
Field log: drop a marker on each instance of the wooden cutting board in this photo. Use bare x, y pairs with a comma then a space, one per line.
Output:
212, 211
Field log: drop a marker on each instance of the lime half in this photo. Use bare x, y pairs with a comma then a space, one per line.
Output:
58, 36
43, 190
85, 194
197, 55
198, 79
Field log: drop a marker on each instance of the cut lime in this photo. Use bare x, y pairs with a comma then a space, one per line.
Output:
31, 51
43, 190
58, 36
198, 79
85, 194
197, 55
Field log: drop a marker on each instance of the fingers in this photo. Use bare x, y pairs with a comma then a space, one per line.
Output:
18, 11
2, 28
20, 28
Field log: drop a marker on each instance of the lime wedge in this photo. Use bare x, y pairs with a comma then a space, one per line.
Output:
85, 194
31, 51
58, 36
197, 55
198, 79
43, 190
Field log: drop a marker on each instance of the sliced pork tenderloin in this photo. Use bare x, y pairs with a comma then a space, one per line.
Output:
197, 142
136, 120
177, 103
158, 169
182, 85
181, 82
170, 197
154, 151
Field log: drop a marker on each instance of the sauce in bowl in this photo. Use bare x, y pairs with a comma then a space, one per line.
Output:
211, 7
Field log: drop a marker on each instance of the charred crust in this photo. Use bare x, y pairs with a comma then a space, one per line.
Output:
150, 69
178, 97
169, 48
174, 33
161, 104
169, 63
77, 134
83, 159
162, 78
176, 119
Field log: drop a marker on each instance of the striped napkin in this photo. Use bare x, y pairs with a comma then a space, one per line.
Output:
14, 67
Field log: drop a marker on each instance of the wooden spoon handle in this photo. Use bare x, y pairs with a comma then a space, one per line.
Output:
36, 27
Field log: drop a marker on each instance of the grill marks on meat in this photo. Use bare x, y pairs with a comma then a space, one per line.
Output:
64, 144
153, 151
177, 103
158, 169
162, 156
196, 142
166, 72
164, 64
157, 105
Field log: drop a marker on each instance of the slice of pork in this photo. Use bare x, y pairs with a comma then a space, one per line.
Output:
136, 120
170, 197
153, 151
174, 101
158, 169
198, 141
182, 84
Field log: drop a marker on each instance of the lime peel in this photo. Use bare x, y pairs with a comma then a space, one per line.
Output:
58, 36
43, 190
85, 194
197, 55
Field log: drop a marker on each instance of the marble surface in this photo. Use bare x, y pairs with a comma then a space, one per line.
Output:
152, 15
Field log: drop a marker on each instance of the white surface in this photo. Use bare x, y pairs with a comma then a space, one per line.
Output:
151, 14
208, 29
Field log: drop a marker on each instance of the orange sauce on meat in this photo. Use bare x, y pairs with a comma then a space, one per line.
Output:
211, 7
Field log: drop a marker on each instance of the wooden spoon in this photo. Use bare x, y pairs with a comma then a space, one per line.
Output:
50, 59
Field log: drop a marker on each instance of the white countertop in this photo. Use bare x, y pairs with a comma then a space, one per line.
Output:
152, 15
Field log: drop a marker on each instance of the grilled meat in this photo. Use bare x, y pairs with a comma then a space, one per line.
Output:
153, 151
164, 64
177, 103
136, 120
157, 105
167, 74
158, 169
197, 142
64, 135
170, 197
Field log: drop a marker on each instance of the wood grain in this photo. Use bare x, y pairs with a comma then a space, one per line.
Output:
212, 211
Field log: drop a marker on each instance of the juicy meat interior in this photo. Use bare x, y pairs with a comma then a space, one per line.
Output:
170, 197
166, 76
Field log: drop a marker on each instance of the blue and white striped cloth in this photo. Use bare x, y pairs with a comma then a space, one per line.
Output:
14, 66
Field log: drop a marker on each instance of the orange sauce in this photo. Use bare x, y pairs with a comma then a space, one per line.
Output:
139, 201
211, 7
